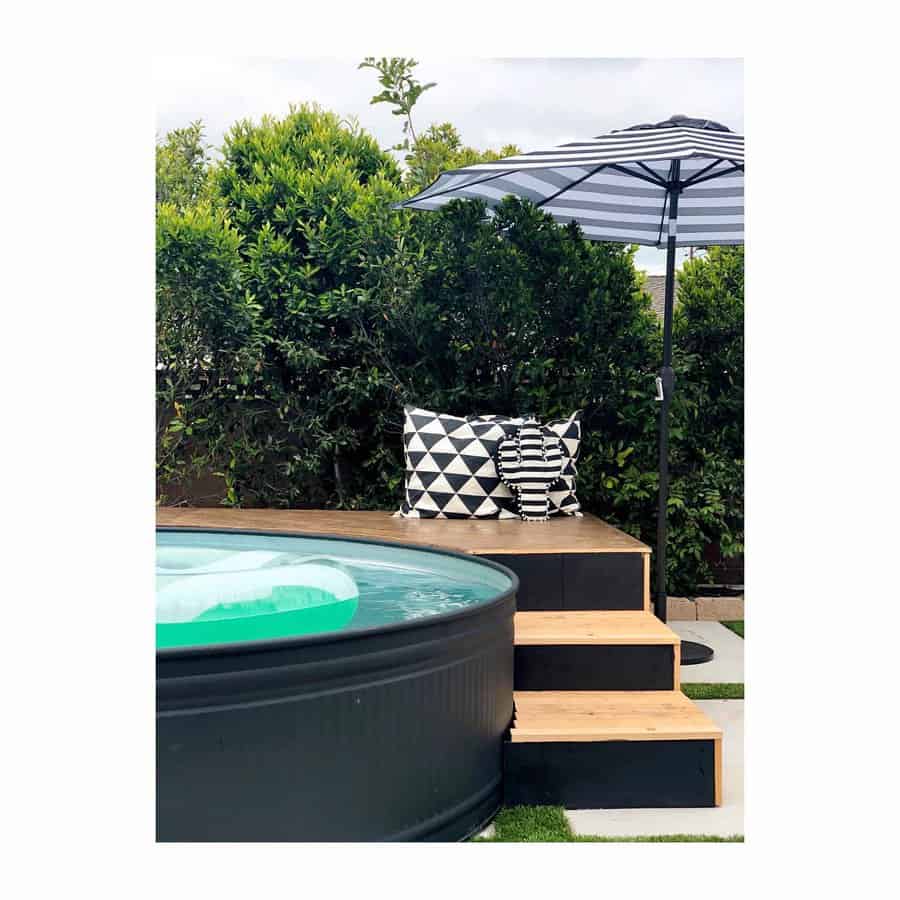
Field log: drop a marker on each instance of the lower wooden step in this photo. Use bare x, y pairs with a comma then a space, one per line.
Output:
612, 749
596, 650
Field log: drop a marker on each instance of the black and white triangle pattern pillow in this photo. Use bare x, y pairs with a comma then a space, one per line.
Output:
451, 466
451, 470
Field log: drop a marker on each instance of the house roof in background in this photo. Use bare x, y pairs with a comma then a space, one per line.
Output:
655, 286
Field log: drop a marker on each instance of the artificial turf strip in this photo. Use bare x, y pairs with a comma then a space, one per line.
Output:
737, 626
714, 691
548, 824
532, 823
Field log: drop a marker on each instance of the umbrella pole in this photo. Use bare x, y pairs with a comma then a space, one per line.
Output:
667, 386
692, 653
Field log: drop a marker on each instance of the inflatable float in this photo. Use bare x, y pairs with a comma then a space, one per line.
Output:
208, 596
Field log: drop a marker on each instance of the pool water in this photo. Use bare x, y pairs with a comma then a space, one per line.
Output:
218, 587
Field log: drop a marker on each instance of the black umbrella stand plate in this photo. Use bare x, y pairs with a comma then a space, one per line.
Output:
693, 654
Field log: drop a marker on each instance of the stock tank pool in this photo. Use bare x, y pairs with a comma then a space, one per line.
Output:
313, 688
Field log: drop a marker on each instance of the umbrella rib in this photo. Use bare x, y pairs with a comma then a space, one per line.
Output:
569, 186
662, 220
710, 177
701, 173
657, 181
650, 171
460, 187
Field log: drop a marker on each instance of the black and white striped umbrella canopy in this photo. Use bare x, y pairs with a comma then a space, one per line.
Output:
616, 186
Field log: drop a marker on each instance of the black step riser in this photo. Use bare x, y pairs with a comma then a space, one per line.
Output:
610, 774
595, 668
577, 580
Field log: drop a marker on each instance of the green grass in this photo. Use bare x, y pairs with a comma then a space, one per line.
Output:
737, 626
548, 824
714, 691
532, 823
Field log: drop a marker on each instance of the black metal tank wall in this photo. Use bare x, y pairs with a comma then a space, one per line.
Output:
394, 734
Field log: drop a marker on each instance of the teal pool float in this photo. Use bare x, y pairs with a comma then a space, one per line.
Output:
212, 596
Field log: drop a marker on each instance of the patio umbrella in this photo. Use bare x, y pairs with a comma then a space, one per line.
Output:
677, 183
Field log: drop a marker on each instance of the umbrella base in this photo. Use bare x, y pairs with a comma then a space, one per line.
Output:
693, 654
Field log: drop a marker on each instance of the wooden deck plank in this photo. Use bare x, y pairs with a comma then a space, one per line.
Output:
562, 716
603, 627
478, 536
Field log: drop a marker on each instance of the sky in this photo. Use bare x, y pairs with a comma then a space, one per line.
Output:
534, 103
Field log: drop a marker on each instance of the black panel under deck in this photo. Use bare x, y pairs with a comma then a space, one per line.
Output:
595, 667
610, 774
540, 579
551, 581
603, 581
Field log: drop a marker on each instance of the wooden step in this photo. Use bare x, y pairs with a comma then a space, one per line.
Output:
596, 650
596, 749
609, 716
596, 626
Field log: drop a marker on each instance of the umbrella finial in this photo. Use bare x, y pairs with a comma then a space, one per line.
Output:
679, 120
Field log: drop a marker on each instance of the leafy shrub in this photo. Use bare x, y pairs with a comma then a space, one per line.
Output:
297, 201
707, 447
182, 166
709, 336
208, 335
515, 314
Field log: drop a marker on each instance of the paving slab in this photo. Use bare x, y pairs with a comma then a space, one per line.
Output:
680, 609
724, 820
720, 609
727, 663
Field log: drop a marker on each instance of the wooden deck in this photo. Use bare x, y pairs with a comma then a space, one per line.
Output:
478, 536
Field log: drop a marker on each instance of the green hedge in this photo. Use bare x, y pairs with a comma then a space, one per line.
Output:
297, 313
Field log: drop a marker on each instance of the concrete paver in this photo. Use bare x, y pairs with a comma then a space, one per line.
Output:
727, 663
720, 609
